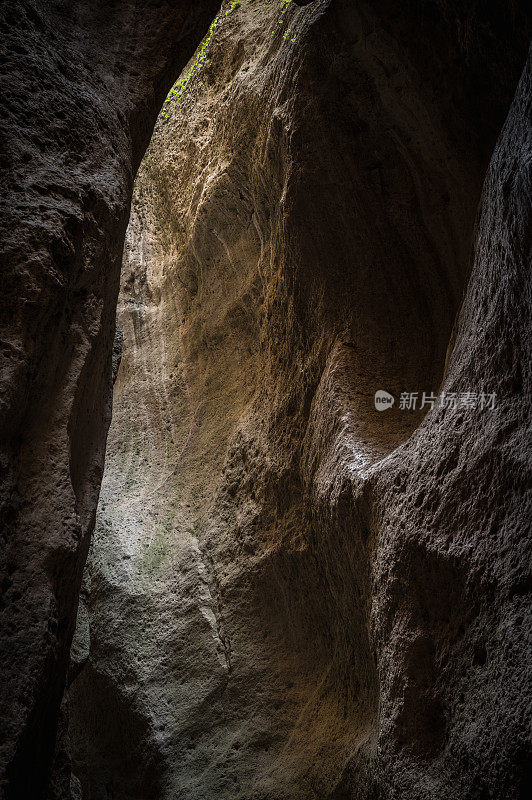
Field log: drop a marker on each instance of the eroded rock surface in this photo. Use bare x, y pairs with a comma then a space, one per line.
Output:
292, 596
82, 84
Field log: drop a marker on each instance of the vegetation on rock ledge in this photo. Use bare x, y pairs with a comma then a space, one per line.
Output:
200, 59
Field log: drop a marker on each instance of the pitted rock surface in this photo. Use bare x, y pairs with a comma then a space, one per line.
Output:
292, 595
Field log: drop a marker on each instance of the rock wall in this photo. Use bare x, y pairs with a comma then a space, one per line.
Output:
291, 595
82, 84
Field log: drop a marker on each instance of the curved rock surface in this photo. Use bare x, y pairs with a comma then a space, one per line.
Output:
290, 595
82, 84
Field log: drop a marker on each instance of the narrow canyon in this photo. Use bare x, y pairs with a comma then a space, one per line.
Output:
266, 391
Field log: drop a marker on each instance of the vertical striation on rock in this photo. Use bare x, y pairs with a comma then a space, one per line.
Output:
291, 595
82, 84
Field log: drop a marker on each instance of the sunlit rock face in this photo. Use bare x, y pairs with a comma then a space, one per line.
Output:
291, 595
82, 83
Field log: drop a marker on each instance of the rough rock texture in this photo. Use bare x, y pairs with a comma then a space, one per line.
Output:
290, 595
451, 608
82, 83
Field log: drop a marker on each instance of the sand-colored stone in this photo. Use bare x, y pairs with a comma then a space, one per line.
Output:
293, 596
82, 84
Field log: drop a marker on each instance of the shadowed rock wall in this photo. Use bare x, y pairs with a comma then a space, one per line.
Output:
291, 595
82, 83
